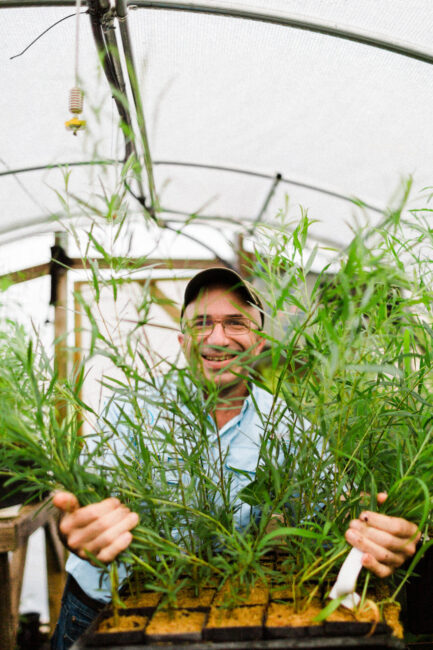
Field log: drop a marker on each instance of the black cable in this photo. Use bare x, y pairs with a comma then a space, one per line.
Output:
142, 201
96, 13
15, 56
106, 60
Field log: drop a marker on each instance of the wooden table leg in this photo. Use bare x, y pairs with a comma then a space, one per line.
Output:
6, 631
55, 555
17, 565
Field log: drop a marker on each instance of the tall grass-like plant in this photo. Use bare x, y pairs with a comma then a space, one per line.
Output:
348, 364
356, 363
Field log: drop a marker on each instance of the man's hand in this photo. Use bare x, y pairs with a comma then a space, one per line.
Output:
386, 541
102, 528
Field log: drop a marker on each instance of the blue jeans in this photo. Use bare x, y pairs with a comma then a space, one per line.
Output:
75, 617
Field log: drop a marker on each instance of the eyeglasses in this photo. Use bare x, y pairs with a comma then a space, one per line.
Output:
232, 325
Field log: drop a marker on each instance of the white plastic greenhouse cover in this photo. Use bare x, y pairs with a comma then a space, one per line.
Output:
335, 96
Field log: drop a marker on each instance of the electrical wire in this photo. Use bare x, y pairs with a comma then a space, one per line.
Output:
15, 56
77, 39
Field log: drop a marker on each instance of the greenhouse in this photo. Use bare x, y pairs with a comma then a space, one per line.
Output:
216, 336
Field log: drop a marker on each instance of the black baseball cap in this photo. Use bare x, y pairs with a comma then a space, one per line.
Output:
227, 278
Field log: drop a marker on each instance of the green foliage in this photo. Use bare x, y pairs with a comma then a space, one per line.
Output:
35, 445
348, 362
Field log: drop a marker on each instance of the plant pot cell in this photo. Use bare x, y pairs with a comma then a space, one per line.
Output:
236, 624
104, 631
281, 593
175, 625
143, 599
345, 622
391, 614
126, 623
257, 595
189, 599
283, 620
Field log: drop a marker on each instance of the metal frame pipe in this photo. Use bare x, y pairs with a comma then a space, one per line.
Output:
327, 191
122, 16
287, 19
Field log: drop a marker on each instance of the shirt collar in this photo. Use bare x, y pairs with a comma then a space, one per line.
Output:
252, 398
248, 404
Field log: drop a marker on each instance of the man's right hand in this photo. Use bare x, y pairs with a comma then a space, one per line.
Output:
102, 529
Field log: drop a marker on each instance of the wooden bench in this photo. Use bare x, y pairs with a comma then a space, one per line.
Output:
14, 535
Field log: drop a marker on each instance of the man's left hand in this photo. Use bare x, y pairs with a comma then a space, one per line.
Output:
386, 541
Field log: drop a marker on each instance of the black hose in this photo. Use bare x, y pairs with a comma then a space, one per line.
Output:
96, 14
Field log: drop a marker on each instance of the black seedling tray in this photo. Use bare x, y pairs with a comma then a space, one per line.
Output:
377, 642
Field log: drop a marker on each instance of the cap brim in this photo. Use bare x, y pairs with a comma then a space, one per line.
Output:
224, 276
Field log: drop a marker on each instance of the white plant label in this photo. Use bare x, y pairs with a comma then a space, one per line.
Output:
346, 580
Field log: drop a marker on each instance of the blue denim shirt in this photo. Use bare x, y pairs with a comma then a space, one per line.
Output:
240, 441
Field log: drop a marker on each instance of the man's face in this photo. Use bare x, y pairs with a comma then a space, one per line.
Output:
218, 336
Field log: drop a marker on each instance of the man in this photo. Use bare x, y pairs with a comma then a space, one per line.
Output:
221, 316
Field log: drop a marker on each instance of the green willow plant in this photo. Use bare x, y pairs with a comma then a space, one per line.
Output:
348, 363
357, 366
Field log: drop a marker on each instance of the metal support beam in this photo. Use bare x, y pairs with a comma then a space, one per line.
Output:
326, 191
286, 19
289, 19
101, 19
267, 200
122, 17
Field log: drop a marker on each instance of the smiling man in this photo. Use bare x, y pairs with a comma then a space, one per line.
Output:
221, 323
221, 320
